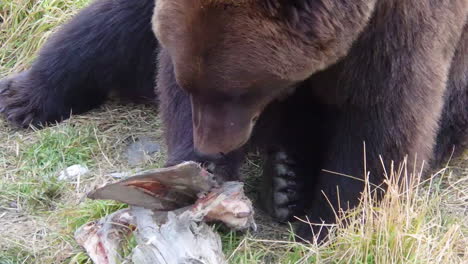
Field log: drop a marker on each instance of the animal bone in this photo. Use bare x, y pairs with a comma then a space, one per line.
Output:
169, 207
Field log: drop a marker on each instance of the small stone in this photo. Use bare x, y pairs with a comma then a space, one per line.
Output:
141, 151
72, 173
13, 205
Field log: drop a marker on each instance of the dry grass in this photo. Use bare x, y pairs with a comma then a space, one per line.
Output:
425, 221
26, 24
38, 213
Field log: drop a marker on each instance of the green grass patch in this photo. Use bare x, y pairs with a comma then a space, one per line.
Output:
76, 216
33, 194
59, 147
39, 160
16, 256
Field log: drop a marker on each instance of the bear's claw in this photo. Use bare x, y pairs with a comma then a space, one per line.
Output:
15, 104
283, 192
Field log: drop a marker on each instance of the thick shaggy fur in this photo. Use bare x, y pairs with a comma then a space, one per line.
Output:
108, 45
307, 82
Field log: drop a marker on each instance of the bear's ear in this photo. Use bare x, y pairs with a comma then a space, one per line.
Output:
168, 17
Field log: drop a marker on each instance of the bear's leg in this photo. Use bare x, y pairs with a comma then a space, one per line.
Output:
392, 101
393, 128
176, 114
292, 148
454, 122
108, 45
390, 136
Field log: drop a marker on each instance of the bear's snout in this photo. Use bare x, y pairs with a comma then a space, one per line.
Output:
219, 131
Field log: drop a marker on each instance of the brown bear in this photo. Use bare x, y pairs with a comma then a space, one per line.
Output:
307, 82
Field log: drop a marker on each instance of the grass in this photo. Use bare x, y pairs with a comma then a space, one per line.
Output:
420, 222
25, 27
51, 149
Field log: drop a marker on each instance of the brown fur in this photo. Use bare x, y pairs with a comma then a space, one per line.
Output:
253, 40
306, 82
351, 72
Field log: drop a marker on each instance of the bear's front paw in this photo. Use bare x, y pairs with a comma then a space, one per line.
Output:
18, 103
282, 196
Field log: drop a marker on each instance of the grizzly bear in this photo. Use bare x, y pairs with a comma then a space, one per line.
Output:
309, 83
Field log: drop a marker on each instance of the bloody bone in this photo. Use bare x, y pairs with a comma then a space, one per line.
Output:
169, 207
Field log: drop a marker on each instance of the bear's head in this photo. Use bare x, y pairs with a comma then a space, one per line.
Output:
234, 57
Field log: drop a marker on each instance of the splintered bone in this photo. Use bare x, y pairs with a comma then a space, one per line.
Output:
102, 239
160, 189
169, 209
